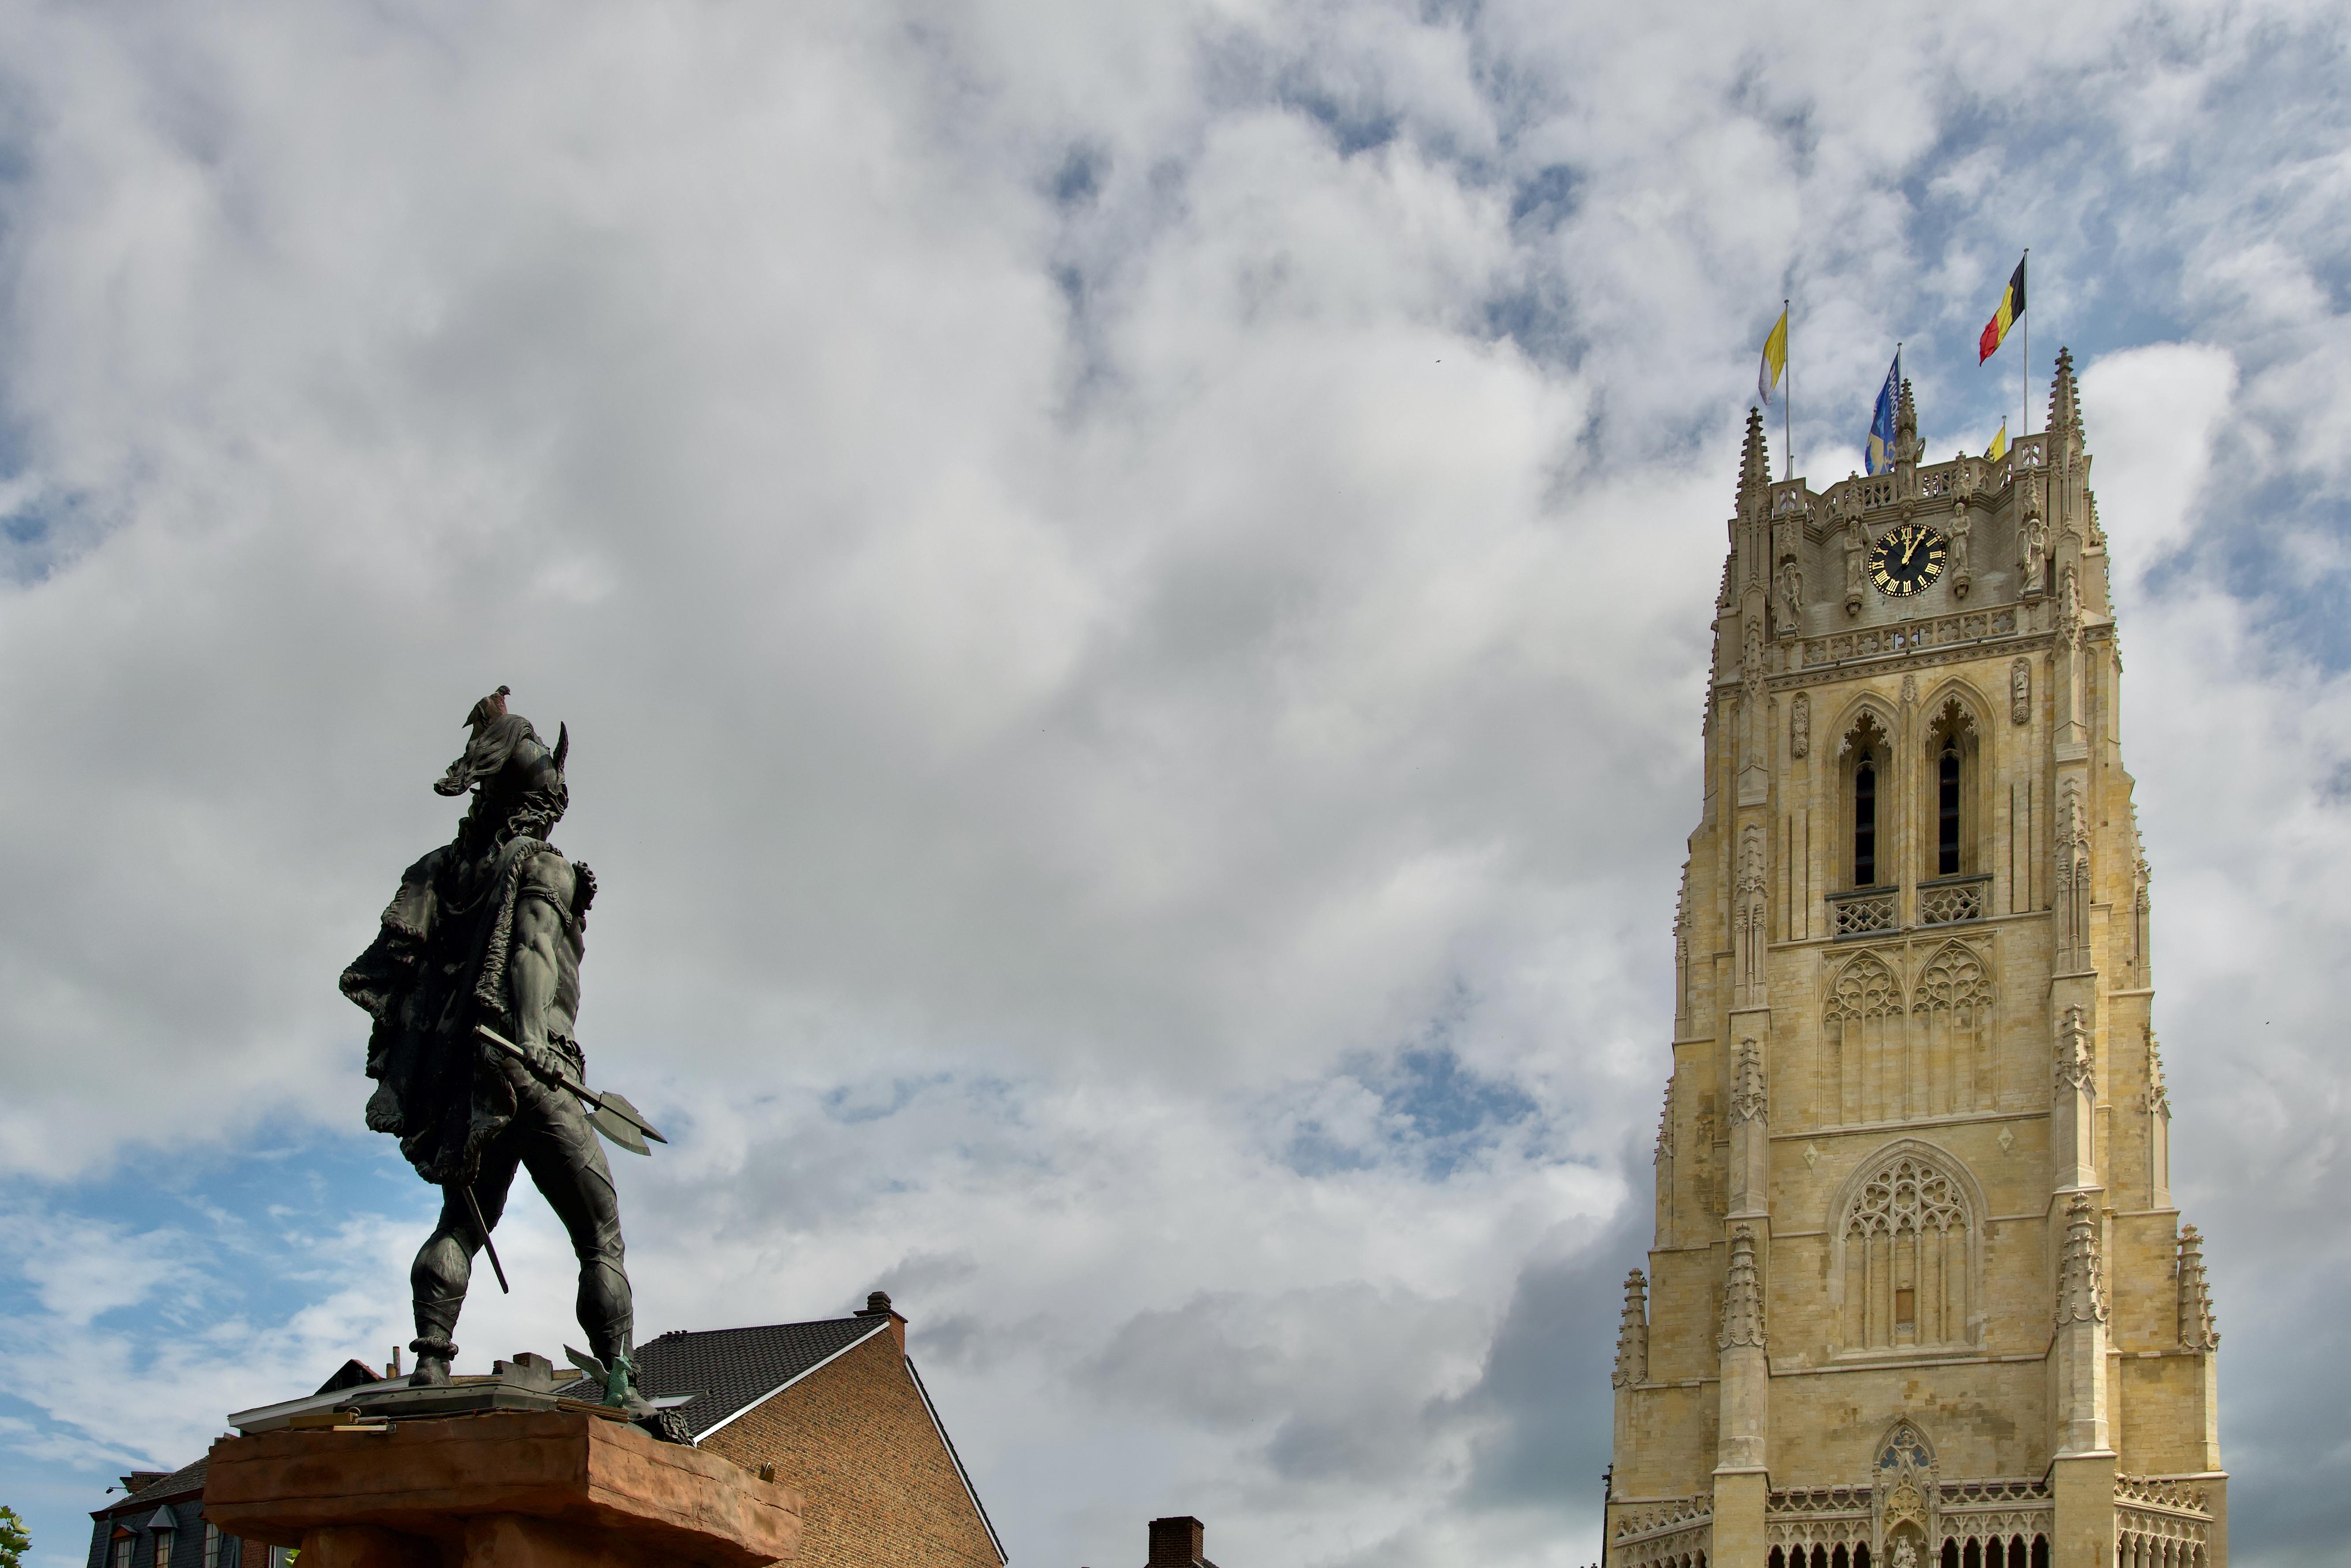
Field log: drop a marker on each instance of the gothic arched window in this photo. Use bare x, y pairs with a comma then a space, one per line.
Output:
1951, 749
1868, 783
1865, 821
1907, 1251
1946, 811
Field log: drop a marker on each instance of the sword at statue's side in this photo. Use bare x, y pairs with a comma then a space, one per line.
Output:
610, 1113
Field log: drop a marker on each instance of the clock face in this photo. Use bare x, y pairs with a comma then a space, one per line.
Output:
1906, 559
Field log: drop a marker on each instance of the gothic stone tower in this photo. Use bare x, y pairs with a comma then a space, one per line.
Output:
1918, 1293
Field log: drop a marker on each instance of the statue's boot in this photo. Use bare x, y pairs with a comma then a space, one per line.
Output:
436, 1317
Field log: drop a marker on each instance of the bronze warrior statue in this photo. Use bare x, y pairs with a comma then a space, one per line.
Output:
474, 984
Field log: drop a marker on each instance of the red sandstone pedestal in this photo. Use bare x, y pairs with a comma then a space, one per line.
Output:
536, 1489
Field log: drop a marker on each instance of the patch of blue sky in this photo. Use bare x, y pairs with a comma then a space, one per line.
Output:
166, 1250
1421, 1107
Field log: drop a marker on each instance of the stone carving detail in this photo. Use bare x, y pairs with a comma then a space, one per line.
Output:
1665, 1150
2158, 1097
2075, 1070
1750, 919
1906, 1250
1670, 1534
2157, 1538
1953, 901
2073, 880
1959, 572
2081, 1275
1861, 1029
1791, 598
1800, 726
1706, 1178
2197, 1328
2035, 563
2020, 691
1867, 989
1952, 1019
1909, 689
1944, 631
1633, 1334
2069, 603
1906, 1493
1681, 955
1747, 1102
1856, 544
1743, 1300
1863, 911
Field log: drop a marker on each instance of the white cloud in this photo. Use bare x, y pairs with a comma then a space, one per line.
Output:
1130, 586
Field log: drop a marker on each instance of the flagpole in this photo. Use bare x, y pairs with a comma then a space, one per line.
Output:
2024, 382
1787, 407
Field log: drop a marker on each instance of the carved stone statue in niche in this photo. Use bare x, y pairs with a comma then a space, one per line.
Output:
2020, 691
1800, 726
1856, 546
2069, 602
1961, 574
1791, 598
2036, 558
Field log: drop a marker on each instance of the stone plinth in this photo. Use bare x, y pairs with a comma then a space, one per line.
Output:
535, 1490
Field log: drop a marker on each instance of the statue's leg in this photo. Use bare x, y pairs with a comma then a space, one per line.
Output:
565, 1157
445, 1264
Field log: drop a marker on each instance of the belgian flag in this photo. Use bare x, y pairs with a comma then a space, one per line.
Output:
2011, 311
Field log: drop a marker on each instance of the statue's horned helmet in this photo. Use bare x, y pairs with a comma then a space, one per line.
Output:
503, 741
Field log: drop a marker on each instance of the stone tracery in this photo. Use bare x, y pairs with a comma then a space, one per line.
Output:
1907, 1244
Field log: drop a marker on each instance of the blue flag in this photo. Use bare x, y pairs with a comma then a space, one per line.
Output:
1881, 422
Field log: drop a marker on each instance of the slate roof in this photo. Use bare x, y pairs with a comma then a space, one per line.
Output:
728, 1371
179, 1483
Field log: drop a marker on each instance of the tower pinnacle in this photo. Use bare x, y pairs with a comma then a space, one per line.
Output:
1754, 461
2064, 396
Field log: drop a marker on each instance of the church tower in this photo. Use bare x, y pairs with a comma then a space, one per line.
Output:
1918, 1294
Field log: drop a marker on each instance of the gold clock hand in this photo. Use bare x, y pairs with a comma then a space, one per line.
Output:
1908, 548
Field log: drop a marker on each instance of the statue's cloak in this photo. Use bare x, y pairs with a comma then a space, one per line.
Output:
436, 968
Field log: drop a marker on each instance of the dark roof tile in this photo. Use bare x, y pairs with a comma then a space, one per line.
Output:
180, 1482
729, 1369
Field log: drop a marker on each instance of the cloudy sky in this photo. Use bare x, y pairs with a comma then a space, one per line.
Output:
1130, 583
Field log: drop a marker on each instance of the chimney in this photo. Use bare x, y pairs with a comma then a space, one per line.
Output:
1176, 1543
877, 1305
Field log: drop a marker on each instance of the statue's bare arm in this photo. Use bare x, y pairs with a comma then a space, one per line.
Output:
533, 969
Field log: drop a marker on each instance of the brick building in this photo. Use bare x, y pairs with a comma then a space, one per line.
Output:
160, 1522
838, 1409
1178, 1542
